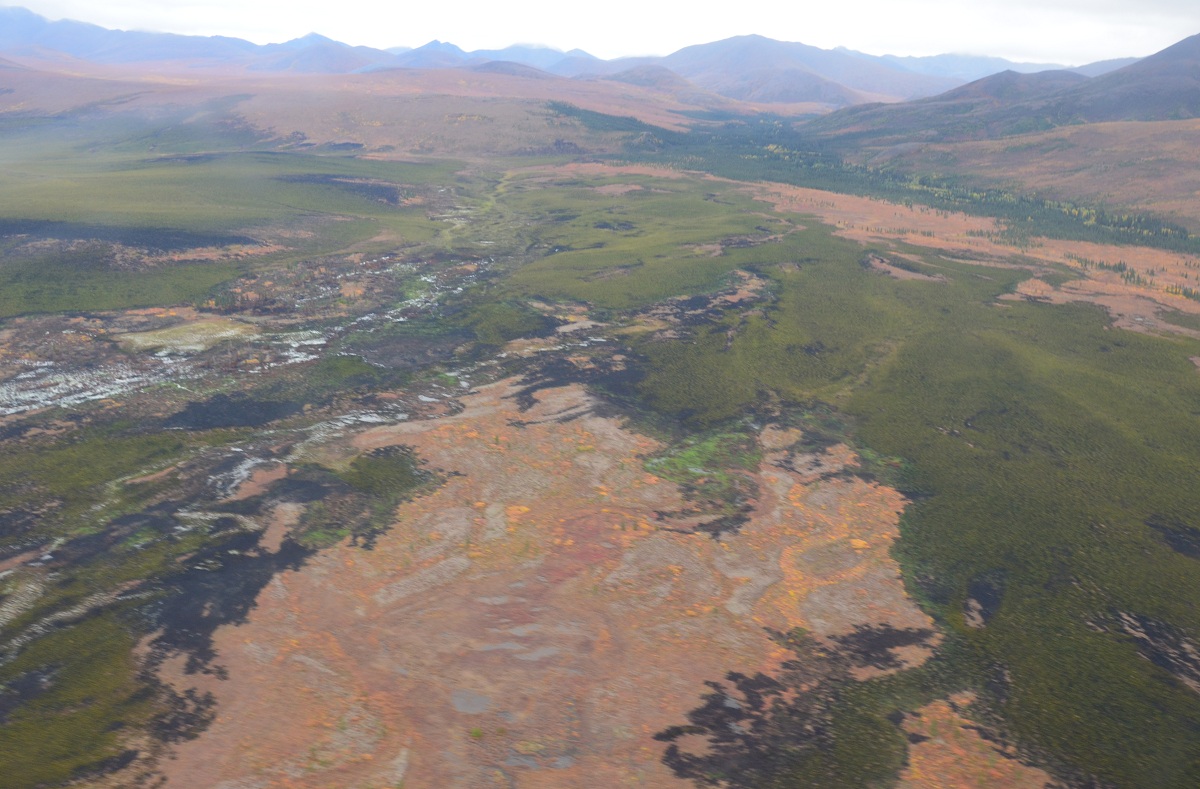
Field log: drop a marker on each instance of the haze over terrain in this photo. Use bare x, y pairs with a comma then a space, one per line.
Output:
760, 414
749, 68
1065, 31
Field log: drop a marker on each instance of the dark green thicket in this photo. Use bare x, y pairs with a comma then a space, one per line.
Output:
80, 689
1046, 441
1040, 442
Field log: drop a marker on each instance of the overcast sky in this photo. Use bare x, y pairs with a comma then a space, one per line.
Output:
1070, 32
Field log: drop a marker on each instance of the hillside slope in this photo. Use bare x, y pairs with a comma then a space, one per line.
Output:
1164, 86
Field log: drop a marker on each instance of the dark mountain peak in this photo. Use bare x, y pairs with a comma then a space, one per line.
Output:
1176, 64
737, 67
24, 31
15, 13
1010, 85
652, 76
539, 56
1187, 51
1104, 66
586, 65
753, 46
311, 41
444, 47
1164, 86
22, 26
749, 67
752, 38
316, 54
314, 38
512, 69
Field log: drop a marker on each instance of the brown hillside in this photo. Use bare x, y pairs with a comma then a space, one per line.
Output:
1151, 167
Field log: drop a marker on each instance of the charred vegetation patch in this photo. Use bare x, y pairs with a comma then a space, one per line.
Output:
1178, 536
377, 191
985, 594
794, 728
219, 587
236, 410
614, 379
1160, 642
152, 238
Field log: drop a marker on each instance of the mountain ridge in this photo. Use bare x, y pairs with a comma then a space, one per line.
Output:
749, 68
1162, 86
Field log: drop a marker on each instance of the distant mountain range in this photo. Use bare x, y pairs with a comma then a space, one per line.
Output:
746, 68
1163, 86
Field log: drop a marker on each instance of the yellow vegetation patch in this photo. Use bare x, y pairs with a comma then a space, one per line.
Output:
188, 337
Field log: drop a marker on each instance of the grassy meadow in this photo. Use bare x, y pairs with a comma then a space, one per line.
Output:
71, 202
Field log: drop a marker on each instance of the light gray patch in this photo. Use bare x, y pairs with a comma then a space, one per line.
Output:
497, 523
539, 654
506, 645
519, 760
524, 630
834, 557
469, 702
429, 578
313, 663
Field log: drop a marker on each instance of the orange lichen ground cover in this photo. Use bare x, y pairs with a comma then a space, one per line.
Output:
870, 220
532, 623
947, 752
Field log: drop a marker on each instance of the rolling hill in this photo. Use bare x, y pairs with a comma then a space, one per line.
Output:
1164, 86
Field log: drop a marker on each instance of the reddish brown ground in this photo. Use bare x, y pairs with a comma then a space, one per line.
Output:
530, 623
952, 755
